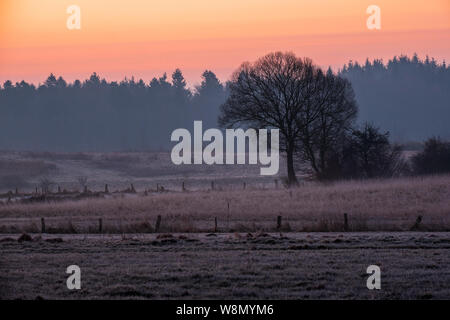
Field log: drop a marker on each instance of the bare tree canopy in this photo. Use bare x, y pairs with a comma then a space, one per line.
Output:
283, 91
335, 112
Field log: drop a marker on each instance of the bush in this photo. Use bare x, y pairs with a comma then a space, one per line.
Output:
434, 159
365, 153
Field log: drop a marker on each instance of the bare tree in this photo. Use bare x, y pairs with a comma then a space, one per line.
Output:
336, 110
45, 184
83, 182
283, 91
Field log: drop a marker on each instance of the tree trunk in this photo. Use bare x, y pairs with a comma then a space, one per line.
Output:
292, 179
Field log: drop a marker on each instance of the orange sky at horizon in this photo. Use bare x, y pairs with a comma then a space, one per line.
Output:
145, 38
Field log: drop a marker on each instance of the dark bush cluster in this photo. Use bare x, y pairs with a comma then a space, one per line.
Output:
364, 153
434, 159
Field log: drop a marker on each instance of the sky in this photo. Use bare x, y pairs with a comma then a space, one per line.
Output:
145, 38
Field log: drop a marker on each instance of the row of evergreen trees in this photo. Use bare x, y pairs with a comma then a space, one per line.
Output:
97, 115
408, 97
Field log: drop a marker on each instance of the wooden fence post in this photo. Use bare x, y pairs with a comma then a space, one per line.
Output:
182, 187
100, 225
417, 223
158, 223
215, 224
212, 185
345, 222
42, 225
278, 222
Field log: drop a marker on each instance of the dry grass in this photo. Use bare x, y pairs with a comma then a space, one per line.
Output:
388, 205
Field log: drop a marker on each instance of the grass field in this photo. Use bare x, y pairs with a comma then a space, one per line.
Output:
377, 205
414, 265
312, 255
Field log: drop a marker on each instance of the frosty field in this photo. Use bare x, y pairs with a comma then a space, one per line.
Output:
414, 265
312, 254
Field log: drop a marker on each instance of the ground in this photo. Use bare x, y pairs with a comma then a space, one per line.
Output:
414, 265
317, 256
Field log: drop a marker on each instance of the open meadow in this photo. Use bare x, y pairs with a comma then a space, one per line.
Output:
414, 265
243, 237
376, 205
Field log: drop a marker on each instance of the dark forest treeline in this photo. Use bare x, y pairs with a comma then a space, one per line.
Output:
407, 96
96, 115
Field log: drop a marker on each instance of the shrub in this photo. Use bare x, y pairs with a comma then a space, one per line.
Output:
434, 159
365, 153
